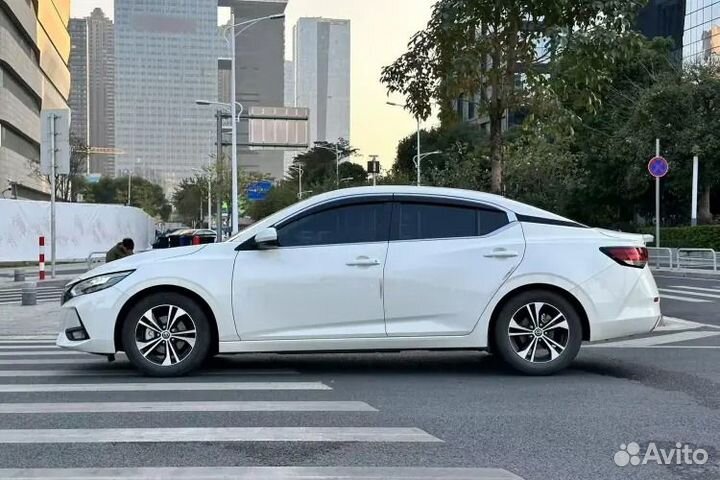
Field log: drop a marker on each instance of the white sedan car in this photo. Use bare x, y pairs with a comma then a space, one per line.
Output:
372, 269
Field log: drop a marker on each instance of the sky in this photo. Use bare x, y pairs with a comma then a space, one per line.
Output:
380, 32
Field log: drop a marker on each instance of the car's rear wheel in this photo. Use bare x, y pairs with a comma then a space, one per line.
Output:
166, 335
538, 332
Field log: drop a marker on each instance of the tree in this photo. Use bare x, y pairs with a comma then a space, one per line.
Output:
490, 49
461, 146
145, 195
602, 157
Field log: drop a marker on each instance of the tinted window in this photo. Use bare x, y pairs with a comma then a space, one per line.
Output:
415, 221
491, 220
350, 224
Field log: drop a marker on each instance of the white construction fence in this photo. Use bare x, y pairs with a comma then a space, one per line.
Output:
81, 228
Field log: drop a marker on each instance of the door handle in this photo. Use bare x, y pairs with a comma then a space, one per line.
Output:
502, 253
363, 262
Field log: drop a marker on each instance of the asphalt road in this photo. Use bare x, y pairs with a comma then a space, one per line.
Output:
367, 413
696, 299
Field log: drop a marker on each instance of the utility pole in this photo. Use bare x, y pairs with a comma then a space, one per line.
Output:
218, 162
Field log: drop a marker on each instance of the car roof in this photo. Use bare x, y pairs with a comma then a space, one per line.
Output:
496, 200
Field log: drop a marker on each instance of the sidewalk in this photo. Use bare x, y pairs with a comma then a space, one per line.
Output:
688, 272
41, 319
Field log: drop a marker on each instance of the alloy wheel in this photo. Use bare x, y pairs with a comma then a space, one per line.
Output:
538, 332
165, 335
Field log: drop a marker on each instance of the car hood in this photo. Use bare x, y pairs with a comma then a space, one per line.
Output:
134, 261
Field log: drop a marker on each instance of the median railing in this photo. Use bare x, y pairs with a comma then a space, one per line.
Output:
661, 257
699, 259
95, 259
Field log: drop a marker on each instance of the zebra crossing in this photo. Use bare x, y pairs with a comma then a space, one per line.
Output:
13, 295
690, 294
51, 399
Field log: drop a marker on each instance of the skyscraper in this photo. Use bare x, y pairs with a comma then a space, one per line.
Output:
34, 75
92, 97
322, 76
78, 101
260, 81
166, 59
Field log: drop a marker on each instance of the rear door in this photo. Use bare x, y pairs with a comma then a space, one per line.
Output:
445, 261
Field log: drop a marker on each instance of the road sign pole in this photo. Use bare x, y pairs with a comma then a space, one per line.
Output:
53, 186
657, 199
694, 204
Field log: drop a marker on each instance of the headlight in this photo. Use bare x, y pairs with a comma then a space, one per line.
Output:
94, 284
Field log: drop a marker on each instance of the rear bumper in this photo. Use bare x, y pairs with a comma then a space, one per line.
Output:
624, 328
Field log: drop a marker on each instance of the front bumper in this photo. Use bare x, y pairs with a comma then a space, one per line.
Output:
96, 313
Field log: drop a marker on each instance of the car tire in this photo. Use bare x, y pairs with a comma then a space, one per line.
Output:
166, 335
538, 332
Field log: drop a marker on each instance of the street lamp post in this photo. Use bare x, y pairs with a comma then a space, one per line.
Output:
233, 97
417, 160
337, 161
417, 119
299, 169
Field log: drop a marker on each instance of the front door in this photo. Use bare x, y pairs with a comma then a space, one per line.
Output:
323, 281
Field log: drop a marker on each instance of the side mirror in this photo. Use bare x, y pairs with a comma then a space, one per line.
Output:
266, 239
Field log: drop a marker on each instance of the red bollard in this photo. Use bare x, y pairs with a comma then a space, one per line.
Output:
42, 259
196, 240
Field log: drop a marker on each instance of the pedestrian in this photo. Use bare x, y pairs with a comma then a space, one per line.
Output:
121, 250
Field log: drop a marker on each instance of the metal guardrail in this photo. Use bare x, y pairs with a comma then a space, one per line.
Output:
700, 258
95, 259
659, 257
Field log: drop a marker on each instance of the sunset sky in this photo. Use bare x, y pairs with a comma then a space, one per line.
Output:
380, 32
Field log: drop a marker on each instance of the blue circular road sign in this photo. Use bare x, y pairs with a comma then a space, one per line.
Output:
658, 167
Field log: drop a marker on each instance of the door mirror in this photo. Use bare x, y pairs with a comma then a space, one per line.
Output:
267, 238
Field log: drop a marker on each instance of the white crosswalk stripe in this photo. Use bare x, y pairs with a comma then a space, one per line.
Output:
39, 386
682, 299
685, 292
262, 473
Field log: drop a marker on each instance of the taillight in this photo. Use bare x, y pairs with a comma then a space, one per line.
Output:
628, 256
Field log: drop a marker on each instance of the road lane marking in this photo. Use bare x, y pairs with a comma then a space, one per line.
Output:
684, 292
161, 387
683, 299
657, 340
133, 373
204, 406
231, 434
261, 473
699, 289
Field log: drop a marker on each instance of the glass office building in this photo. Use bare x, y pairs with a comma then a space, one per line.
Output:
701, 39
166, 59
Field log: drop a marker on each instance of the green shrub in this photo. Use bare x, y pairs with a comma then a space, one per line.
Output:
704, 236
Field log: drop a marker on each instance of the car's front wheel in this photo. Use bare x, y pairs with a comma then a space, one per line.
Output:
538, 332
166, 335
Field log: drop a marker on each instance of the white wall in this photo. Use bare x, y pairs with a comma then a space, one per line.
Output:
81, 228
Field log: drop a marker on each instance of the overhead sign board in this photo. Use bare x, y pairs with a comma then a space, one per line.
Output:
279, 127
55, 123
658, 167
